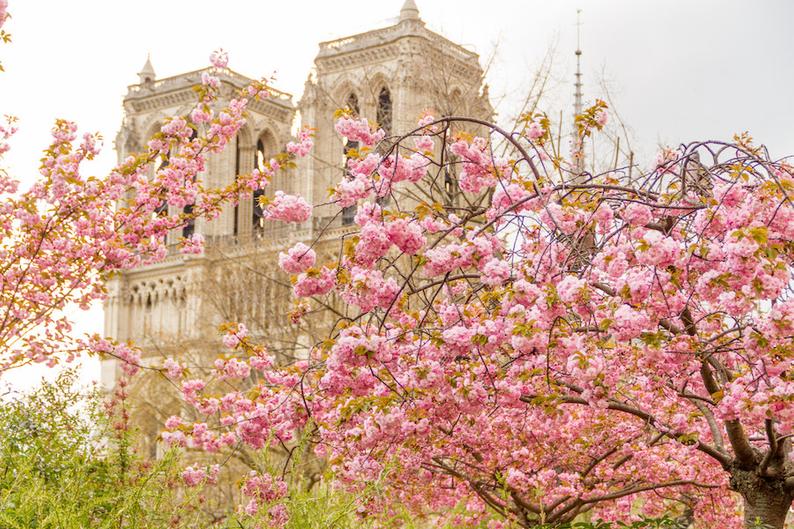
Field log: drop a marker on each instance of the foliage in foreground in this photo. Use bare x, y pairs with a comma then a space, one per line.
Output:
66, 462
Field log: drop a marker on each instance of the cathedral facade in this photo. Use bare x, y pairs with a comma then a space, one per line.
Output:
388, 75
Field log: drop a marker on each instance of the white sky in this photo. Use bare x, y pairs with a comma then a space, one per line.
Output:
678, 70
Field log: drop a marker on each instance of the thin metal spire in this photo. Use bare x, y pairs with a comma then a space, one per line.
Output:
577, 105
578, 96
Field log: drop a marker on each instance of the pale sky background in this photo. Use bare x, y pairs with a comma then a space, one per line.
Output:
678, 70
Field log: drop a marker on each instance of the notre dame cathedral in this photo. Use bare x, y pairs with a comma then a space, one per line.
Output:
173, 308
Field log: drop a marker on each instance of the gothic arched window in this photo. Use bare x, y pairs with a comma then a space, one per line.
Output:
262, 155
237, 154
352, 103
450, 188
349, 212
384, 112
190, 224
161, 162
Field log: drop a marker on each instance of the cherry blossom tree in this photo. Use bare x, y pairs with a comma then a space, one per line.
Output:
543, 343
62, 238
521, 337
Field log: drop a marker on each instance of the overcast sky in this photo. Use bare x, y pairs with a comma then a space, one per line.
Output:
677, 70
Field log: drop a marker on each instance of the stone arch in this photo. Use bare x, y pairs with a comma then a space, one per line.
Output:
384, 109
375, 79
343, 89
185, 109
244, 150
266, 146
353, 103
152, 125
245, 136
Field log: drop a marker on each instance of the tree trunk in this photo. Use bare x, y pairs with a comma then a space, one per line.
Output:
766, 500
766, 512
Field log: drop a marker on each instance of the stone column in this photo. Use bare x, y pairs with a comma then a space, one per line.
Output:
245, 208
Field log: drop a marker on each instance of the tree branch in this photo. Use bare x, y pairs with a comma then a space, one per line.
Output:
651, 420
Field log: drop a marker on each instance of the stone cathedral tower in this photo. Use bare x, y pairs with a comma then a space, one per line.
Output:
388, 75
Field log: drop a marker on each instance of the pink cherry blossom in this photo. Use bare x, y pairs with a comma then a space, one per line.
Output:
407, 236
195, 475
194, 244
535, 131
314, 282
637, 214
233, 338
537, 343
298, 259
288, 208
358, 130
219, 58
601, 117
173, 368
495, 272
304, 144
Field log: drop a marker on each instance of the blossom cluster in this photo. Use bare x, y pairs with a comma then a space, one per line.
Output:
288, 208
68, 233
358, 130
538, 345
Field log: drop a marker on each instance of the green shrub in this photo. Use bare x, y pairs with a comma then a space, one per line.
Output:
66, 463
